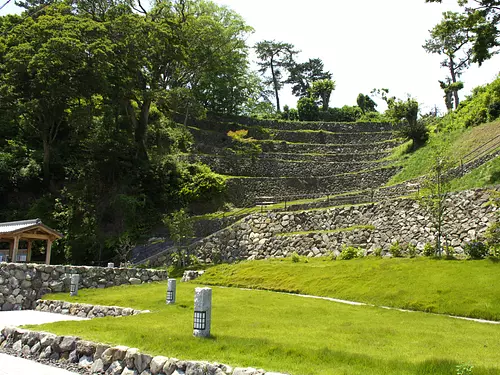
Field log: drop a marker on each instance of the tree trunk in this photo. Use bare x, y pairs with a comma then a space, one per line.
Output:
454, 80
46, 158
275, 83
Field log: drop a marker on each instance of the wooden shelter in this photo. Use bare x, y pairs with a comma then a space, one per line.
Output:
27, 231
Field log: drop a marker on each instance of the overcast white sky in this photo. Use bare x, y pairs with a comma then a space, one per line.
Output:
366, 44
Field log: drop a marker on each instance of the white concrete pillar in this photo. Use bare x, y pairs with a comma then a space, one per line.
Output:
73, 291
171, 291
202, 312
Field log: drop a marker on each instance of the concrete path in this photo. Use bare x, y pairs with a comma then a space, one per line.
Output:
17, 366
18, 318
10, 365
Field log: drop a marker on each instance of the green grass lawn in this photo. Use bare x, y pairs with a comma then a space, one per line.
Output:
457, 287
290, 334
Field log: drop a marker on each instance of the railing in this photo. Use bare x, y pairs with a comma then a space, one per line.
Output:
479, 152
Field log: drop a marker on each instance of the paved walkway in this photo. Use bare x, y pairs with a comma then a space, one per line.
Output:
18, 318
17, 366
10, 365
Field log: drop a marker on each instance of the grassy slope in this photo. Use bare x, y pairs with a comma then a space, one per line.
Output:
467, 288
291, 334
452, 145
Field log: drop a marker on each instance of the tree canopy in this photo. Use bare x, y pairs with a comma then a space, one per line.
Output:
88, 93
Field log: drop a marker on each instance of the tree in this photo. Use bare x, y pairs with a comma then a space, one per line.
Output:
366, 103
404, 115
180, 228
323, 89
435, 194
275, 57
304, 74
481, 18
48, 69
452, 39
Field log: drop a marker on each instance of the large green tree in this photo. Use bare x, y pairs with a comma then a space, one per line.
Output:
275, 57
452, 39
322, 89
302, 76
481, 21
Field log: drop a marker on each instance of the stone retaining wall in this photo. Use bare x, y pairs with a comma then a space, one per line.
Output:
101, 358
22, 284
220, 139
404, 220
84, 310
267, 167
232, 123
242, 191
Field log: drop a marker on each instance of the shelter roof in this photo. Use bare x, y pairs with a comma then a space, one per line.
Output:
12, 228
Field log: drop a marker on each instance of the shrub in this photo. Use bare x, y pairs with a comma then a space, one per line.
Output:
429, 250
295, 257
350, 252
395, 250
308, 109
412, 250
377, 252
476, 250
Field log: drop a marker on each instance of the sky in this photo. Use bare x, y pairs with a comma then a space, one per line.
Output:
365, 44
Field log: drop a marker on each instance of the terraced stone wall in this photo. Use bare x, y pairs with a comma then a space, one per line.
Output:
261, 236
22, 284
243, 190
310, 137
266, 167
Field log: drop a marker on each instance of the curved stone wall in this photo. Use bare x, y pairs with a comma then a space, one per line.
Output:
22, 284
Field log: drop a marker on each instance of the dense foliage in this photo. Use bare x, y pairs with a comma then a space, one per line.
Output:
87, 94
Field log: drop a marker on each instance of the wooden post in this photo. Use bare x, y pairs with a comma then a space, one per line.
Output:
47, 254
11, 249
28, 255
15, 249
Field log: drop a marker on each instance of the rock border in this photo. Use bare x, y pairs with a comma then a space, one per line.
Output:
98, 358
85, 310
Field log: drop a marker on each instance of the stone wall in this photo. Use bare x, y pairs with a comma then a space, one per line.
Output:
309, 137
246, 122
242, 191
100, 358
267, 167
404, 220
22, 284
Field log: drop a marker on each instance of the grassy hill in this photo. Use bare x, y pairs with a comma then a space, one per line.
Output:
453, 146
456, 287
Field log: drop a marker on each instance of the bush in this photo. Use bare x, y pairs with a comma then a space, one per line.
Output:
476, 250
295, 257
344, 114
350, 252
377, 252
412, 250
429, 250
395, 250
308, 109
